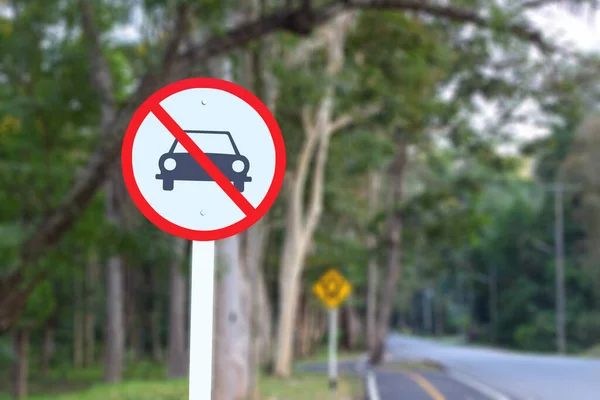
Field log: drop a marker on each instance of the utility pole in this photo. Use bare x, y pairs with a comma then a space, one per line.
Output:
559, 248
493, 299
427, 310
559, 189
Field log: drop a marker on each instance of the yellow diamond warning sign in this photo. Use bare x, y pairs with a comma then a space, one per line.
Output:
332, 288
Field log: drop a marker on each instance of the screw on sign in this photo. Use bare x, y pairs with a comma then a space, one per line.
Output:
203, 159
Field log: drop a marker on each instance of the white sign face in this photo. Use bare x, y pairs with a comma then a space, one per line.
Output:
203, 159
230, 132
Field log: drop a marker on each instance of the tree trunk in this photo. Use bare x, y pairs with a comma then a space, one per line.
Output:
231, 367
255, 239
302, 221
115, 341
91, 310
127, 308
90, 339
78, 315
177, 361
351, 326
263, 317
21, 363
132, 331
493, 303
439, 325
101, 79
117, 208
155, 314
259, 313
312, 326
289, 292
394, 227
115, 321
315, 334
323, 325
137, 333
321, 322
372, 274
372, 279
303, 340
48, 347
230, 375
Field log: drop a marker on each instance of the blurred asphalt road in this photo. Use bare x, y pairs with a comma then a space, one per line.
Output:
514, 376
424, 385
390, 384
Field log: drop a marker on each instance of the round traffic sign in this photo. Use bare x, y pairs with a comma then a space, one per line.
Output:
203, 159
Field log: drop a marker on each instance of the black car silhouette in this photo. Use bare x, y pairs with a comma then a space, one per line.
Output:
178, 165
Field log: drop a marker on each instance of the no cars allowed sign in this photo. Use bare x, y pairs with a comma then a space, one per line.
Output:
203, 159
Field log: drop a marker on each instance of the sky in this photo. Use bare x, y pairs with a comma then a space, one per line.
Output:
580, 30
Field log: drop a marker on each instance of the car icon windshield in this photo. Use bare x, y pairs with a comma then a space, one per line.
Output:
210, 142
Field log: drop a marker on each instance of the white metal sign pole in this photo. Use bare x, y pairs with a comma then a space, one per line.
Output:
333, 322
201, 325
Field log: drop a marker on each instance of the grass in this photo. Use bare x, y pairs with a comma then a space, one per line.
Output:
305, 386
456, 340
145, 381
150, 390
322, 354
412, 366
65, 379
300, 387
593, 352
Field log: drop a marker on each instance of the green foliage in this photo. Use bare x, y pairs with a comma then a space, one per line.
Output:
40, 305
469, 219
6, 353
172, 390
538, 334
303, 88
49, 120
11, 236
404, 78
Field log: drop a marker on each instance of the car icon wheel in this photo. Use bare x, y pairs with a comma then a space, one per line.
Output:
240, 186
168, 185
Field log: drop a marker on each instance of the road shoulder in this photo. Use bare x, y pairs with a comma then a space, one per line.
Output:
415, 381
405, 380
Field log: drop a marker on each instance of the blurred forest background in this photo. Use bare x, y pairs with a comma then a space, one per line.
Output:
393, 178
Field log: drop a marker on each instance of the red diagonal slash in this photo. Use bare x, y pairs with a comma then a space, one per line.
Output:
201, 158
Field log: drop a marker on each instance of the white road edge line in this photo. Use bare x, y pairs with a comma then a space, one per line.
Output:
493, 394
371, 383
372, 391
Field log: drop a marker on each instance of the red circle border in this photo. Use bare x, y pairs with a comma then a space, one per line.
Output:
127, 159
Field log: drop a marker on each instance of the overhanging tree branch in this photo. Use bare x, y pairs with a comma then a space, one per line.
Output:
301, 21
354, 116
180, 30
456, 14
99, 71
576, 4
335, 62
299, 177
